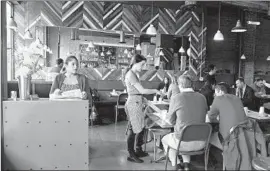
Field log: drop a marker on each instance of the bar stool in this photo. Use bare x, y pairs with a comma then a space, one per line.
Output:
261, 163
158, 131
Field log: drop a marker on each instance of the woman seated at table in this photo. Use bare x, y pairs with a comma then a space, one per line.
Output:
134, 108
173, 88
164, 86
70, 80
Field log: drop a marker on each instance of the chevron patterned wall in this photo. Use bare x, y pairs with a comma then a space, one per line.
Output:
117, 16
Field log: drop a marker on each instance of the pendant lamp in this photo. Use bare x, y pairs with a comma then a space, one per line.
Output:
102, 54
268, 58
151, 30
12, 24
238, 28
28, 34
219, 36
188, 52
182, 50
243, 57
125, 51
109, 52
138, 47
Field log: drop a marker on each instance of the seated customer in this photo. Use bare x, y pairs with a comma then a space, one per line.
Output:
173, 88
164, 86
228, 107
245, 93
208, 91
70, 80
185, 108
59, 66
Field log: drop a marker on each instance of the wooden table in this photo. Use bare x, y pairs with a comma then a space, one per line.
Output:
257, 116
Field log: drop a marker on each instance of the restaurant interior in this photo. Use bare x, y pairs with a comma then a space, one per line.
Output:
177, 40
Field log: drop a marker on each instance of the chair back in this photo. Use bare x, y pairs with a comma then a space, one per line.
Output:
122, 98
196, 132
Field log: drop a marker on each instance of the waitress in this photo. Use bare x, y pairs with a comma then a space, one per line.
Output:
70, 80
134, 108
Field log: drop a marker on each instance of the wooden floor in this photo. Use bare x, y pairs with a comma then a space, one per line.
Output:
108, 151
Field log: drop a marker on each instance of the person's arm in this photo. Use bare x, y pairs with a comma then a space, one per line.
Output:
214, 111
169, 94
171, 115
266, 84
55, 85
248, 100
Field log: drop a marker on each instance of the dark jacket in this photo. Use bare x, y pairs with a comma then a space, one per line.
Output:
208, 93
240, 147
162, 85
248, 97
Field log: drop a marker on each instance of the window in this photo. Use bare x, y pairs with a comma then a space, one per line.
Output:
10, 68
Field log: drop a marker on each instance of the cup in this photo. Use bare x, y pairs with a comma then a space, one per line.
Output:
246, 109
261, 111
155, 98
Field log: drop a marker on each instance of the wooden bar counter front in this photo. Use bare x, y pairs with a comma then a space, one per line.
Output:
46, 135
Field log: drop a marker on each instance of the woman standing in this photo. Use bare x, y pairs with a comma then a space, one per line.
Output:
70, 80
134, 108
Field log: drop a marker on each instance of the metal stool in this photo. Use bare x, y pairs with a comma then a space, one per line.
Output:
158, 131
261, 163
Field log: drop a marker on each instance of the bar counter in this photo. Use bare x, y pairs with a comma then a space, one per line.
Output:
46, 135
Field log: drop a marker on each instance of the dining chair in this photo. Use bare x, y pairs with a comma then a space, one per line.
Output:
193, 132
120, 104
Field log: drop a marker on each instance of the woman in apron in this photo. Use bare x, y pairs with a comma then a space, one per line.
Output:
134, 108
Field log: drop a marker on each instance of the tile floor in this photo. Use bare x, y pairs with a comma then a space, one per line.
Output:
108, 150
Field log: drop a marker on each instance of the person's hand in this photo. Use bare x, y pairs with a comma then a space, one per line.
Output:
84, 95
57, 92
264, 82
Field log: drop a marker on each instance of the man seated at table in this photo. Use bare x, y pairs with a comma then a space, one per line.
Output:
208, 91
229, 108
245, 93
260, 92
185, 108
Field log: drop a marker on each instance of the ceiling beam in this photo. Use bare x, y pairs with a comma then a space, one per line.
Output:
256, 6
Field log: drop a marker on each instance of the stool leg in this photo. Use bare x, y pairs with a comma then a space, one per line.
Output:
167, 158
145, 138
154, 147
116, 114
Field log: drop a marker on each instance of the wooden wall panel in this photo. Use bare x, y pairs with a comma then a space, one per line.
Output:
72, 14
112, 17
118, 16
93, 14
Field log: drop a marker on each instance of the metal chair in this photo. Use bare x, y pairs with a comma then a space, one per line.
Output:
121, 100
261, 163
194, 132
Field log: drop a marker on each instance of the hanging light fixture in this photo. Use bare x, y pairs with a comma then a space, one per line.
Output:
151, 30
182, 50
138, 47
109, 52
268, 58
243, 57
188, 52
161, 53
238, 28
219, 36
28, 34
122, 37
12, 24
125, 51
102, 54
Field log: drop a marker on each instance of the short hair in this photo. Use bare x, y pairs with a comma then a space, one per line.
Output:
259, 79
184, 81
210, 82
222, 87
241, 79
211, 67
59, 61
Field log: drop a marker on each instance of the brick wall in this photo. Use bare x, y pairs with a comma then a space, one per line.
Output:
222, 54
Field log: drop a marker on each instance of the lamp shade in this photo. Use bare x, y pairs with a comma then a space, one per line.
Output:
109, 52
188, 52
138, 47
102, 54
268, 58
122, 37
12, 24
151, 30
161, 53
238, 28
125, 51
91, 45
181, 50
28, 35
243, 57
218, 36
